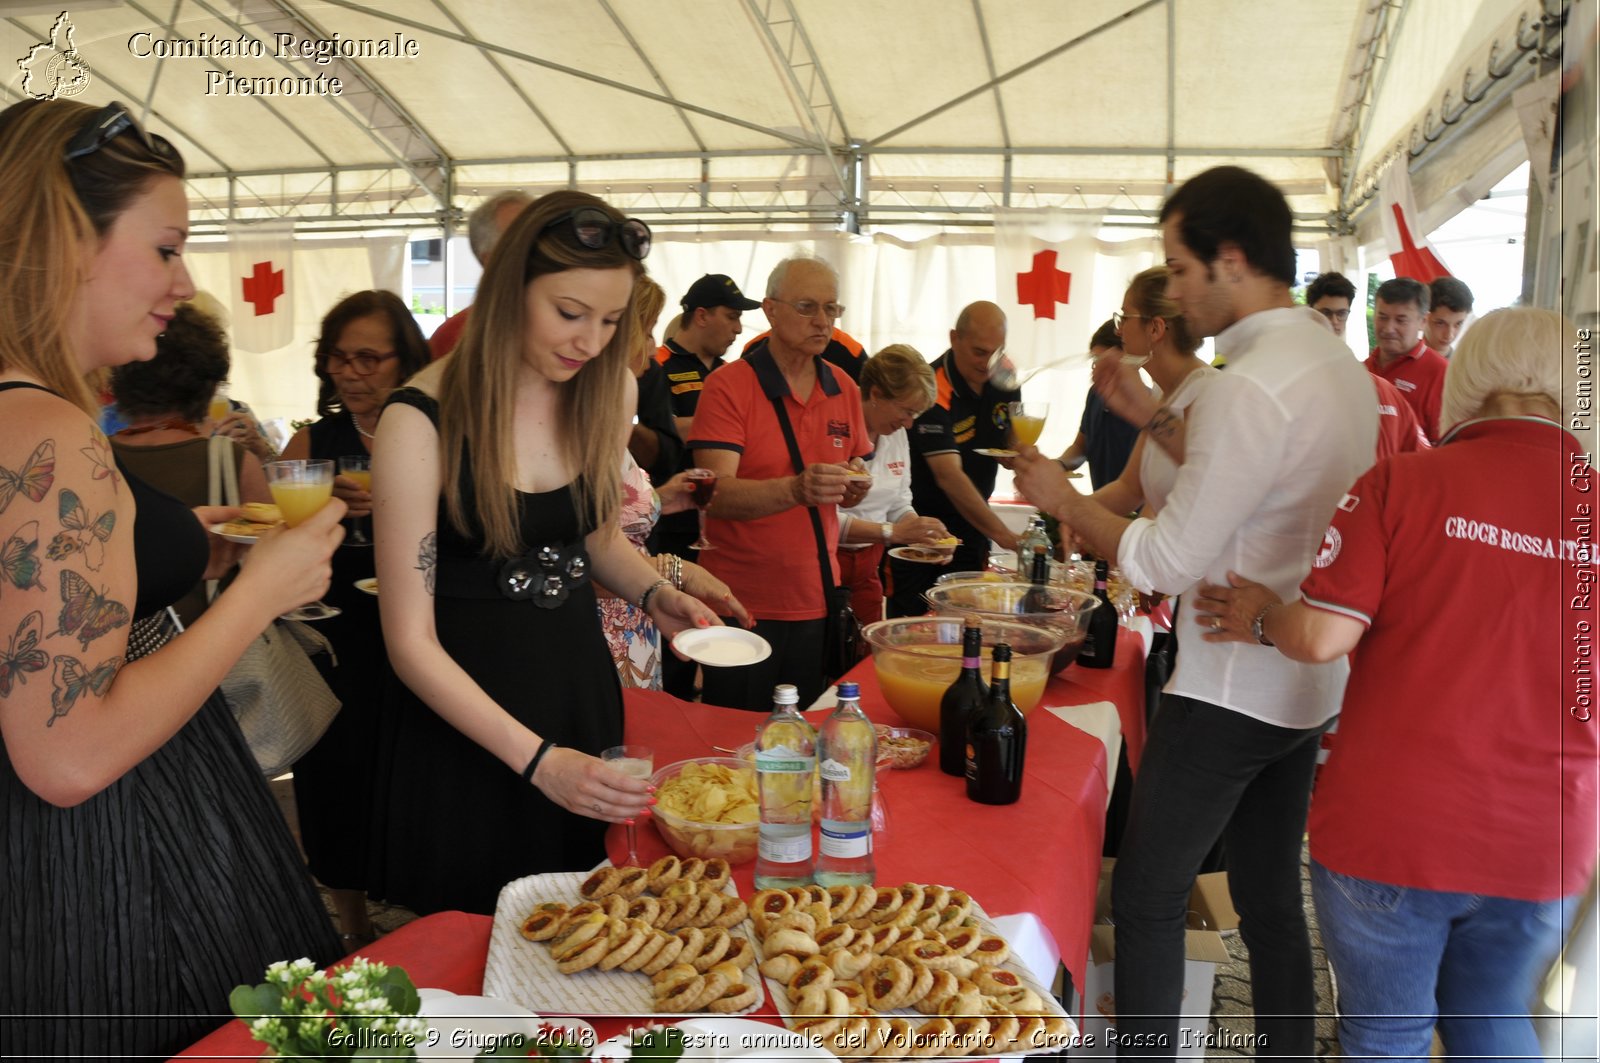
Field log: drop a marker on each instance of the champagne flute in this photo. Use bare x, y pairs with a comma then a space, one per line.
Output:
1027, 422
299, 489
639, 762
357, 468
702, 489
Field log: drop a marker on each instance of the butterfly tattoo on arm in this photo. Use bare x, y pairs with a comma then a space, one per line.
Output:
33, 479
428, 559
23, 654
80, 534
19, 560
86, 613
72, 680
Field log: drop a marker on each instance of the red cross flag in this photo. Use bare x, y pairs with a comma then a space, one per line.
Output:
262, 303
1409, 250
1044, 276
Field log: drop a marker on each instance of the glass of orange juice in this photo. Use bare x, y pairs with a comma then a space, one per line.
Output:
300, 488
1027, 422
357, 468
220, 407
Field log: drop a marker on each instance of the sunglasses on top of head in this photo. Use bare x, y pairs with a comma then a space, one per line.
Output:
109, 123
594, 228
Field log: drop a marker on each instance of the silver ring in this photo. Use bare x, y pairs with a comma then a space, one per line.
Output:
1216, 625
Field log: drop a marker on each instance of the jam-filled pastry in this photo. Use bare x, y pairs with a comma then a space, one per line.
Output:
995, 980
888, 983
771, 902
813, 972
585, 957
942, 985
601, 883
883, 938
575, 934
991, 951
692, 870
885, 905
1002, 1033
932, 1038
800, 921
840, 900
663, 873
970, 1034
740, 952
715, 873
964, 940
734, 912
544, 922
837, 936
632, 882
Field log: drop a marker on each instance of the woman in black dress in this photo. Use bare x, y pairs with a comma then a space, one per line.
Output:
369, 343
495, 495
146, 867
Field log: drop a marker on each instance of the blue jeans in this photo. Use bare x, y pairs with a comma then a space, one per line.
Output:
1209, 772
1406, 958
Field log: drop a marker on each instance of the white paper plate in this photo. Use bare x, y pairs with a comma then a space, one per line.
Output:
919, 555
368, 585
216, 529
722, 647
995, 452
459, 1027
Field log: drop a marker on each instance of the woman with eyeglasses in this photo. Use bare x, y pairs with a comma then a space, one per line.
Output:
368, 344
147, 868
1154, 337
496, 486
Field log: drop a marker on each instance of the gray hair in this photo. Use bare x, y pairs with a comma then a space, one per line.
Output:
482, 230
780, 272
1516, 351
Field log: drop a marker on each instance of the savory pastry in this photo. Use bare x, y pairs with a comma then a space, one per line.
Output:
942, 985
712, 950
625, 938
584, 957
791, 941
734, 912
666, 957
1002, 1033
848, 963
813, 972
647, 952
781, 967
740, 952
932, 1038
632, 882
968, 1035
739, 996
576, 933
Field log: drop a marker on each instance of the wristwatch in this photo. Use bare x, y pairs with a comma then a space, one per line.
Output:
888, 532
1255, 625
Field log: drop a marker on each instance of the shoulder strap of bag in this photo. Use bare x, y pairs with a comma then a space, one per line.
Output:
222, 484
816, 518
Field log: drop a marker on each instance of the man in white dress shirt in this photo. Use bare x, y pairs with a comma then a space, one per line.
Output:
1271, 447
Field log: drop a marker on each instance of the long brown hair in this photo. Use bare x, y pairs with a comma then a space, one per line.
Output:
55, 212
477, 391
1148, 292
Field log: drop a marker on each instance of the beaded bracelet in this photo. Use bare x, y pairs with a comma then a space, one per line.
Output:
544, 747
649, 592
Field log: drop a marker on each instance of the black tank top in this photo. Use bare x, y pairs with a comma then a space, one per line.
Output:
169, 545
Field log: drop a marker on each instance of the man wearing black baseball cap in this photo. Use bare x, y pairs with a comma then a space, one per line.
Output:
711, 311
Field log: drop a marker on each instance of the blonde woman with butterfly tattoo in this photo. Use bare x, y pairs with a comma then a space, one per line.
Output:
144, 855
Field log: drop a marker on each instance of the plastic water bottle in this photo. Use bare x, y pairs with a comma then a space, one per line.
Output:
786, 760
848, 750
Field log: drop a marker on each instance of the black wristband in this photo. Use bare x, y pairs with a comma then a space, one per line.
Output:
533, 765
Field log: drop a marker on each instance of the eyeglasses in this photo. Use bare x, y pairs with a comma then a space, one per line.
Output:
810, 308
109, 123
365, 363
1118, 317
1333, 315
594, 229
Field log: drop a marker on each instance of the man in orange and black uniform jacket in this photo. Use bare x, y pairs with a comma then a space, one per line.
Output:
711, 311
949, 478
843, 351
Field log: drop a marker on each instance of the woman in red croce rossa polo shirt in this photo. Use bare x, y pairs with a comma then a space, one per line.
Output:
1454, 825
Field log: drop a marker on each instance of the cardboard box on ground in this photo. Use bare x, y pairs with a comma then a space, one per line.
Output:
1211, 915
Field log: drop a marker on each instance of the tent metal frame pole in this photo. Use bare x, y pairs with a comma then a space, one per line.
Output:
505, 75
1172, 94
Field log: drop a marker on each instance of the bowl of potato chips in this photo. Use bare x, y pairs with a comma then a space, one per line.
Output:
709, 806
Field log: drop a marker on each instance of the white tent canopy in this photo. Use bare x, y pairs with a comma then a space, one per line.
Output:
885, 134
868, 112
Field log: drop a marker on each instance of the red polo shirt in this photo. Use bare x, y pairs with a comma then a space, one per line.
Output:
1458, 767
1398, 430
1419, 374
771, 563
448, 334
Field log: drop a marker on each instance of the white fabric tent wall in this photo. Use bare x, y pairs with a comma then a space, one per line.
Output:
281, 383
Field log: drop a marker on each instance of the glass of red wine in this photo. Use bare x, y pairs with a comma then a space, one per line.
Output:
702, 489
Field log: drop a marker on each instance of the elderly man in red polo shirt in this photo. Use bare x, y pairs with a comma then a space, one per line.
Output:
1402, 356
767, 515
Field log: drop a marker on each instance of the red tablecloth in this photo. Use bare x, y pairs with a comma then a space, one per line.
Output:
1041, 855
1122, 684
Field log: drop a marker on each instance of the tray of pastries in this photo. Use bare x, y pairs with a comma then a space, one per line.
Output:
900, 972
670, 939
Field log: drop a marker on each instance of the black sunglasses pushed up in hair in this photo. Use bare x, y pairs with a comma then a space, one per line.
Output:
109, 123
594, 228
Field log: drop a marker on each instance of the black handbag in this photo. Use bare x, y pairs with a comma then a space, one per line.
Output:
842, 643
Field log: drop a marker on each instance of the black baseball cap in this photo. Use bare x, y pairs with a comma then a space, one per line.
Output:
716, 289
